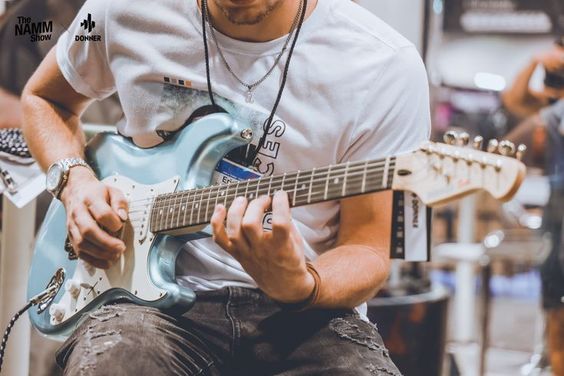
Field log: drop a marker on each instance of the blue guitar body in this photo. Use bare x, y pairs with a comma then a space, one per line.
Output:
185, 161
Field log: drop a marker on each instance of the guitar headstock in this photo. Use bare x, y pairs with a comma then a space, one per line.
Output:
441, 172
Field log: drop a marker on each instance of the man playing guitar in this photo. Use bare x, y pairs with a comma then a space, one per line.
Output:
276, 294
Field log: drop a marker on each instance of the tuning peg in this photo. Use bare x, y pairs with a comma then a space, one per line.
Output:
450, 137
478, 142
521, 150
462, 139
506, 148
492, 145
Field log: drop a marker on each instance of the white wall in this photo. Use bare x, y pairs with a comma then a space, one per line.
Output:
406, 16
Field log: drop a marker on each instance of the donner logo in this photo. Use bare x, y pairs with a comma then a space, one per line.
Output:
37, 31
89, 25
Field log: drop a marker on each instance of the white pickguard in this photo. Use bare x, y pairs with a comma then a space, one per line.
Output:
131, 271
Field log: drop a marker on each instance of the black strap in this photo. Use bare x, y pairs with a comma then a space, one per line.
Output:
268, 122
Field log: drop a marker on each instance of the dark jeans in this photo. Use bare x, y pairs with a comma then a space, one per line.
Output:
233, 331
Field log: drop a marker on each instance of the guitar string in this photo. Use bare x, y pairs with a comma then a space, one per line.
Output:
207, 214
256, 187
162, 198
314, 197
355, 178
252, 191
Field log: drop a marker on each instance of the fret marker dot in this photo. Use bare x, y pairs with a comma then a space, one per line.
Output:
336, 181
303, 186
183, 207
161, 211
222, 193
251, 195
197, 205
170, 210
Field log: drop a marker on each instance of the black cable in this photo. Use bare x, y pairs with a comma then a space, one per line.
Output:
9, 329
268, 123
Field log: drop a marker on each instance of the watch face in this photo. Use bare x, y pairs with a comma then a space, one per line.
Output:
54, 177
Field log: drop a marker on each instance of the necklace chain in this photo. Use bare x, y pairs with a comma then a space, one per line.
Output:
252, 86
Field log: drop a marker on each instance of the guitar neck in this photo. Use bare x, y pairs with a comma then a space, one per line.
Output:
184, 209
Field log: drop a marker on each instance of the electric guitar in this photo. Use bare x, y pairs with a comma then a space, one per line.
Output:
171, 202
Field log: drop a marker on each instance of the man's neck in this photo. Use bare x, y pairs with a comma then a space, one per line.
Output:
275, 25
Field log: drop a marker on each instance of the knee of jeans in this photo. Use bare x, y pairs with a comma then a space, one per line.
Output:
98, 338
365, 334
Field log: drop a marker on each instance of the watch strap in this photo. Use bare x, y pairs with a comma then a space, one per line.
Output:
67, 164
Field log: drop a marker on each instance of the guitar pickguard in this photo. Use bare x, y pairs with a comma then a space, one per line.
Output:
131, 271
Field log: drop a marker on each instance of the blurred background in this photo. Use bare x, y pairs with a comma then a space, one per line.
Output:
490, 301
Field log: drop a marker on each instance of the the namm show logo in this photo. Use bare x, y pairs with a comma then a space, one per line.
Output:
89, 25
37, 31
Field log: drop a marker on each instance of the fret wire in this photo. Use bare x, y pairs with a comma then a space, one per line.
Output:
192, 207
345, 180
327, 182
310, 182
167, 211
180, 198
185, 207
296, 187
354, 166
208, 202
364, 177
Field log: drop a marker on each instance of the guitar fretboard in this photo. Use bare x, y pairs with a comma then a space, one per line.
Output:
195, 207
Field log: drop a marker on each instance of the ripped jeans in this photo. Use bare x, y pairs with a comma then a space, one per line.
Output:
232, 331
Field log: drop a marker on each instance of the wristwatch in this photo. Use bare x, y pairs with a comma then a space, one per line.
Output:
58, 174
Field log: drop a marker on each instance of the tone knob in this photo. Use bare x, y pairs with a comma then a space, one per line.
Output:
57, 312
73, 287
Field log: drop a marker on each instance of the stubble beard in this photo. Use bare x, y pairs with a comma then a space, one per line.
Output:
244, 17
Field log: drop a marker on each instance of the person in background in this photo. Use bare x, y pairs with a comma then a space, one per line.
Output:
543, 113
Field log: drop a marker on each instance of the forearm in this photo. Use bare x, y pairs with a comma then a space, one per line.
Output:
350, 275
51, 112
52, 133
519, 99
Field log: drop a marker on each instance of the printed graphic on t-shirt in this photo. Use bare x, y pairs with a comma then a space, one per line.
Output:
186, 104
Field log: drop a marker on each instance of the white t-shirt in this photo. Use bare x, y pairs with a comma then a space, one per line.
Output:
356, 90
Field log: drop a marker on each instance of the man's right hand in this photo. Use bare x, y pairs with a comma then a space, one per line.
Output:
94, 210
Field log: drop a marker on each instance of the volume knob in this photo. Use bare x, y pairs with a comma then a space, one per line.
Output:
73, 287
57, 312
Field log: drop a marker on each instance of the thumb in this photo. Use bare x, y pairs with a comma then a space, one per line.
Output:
118, 202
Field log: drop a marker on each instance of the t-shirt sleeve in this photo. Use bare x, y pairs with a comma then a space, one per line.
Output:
553, 116
82, 53
395, 115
